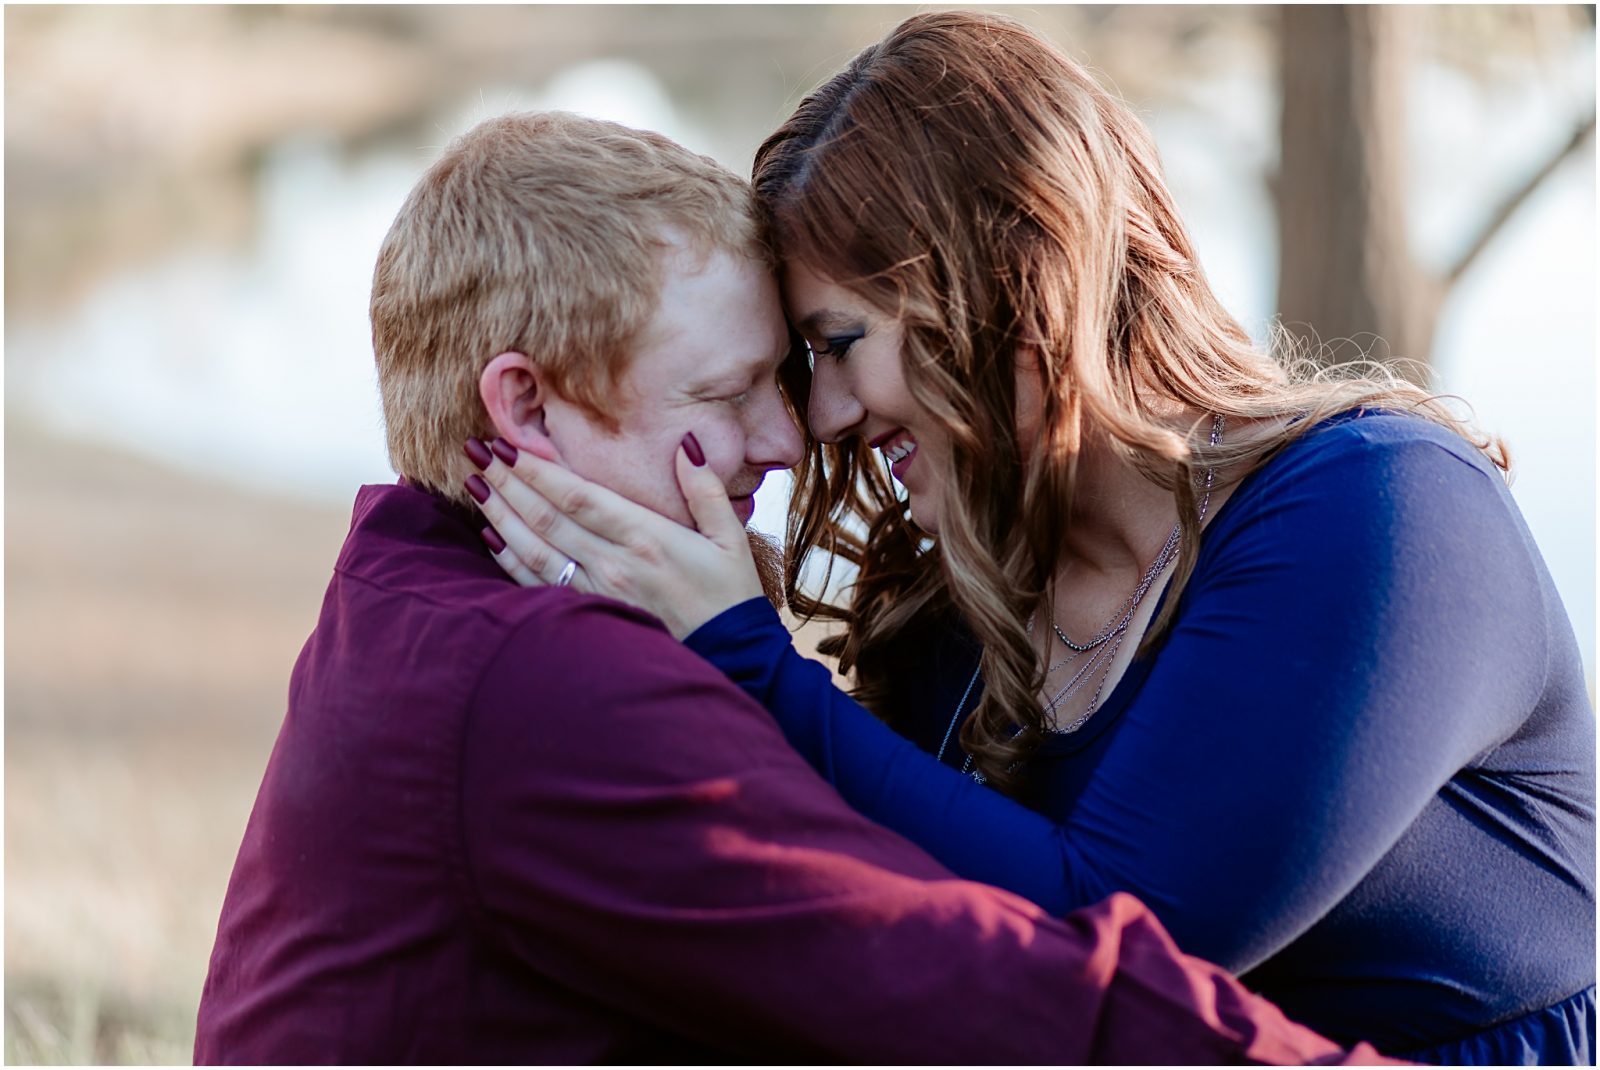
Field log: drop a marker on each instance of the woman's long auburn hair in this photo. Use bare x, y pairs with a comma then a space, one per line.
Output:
968, 178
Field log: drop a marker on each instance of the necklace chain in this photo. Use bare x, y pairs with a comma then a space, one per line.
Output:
956, 716
1107, 642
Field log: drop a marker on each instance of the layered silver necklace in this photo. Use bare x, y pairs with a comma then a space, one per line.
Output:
1100, 652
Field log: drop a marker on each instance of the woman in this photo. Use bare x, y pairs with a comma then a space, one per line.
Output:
1273, 652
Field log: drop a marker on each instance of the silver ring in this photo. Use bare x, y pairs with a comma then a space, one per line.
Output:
567, 573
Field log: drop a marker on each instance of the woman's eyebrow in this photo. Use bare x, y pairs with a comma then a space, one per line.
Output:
827, 319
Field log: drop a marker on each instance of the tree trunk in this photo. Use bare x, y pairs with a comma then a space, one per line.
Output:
1347, 281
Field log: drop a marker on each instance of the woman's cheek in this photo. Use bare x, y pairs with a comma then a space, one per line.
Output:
927, 501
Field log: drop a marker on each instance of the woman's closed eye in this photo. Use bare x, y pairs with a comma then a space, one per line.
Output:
836, 347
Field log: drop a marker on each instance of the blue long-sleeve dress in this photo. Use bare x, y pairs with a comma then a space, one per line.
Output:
1359, 771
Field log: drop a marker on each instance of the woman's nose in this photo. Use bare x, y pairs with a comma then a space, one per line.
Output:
833, 410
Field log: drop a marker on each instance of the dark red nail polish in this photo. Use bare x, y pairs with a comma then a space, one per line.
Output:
691, 446
478, 488
478, 453
492, 537
504, 450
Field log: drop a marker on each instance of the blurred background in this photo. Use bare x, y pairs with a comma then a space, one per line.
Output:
194, 199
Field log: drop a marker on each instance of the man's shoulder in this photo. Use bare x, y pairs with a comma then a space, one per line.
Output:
571, 639
411, 554
417, 614
415, 578
583, 673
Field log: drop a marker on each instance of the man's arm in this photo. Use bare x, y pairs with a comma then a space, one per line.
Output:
637, 829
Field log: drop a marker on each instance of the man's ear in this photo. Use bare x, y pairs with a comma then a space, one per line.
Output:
515, 391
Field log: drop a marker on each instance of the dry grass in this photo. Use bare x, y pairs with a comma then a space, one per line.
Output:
151, 621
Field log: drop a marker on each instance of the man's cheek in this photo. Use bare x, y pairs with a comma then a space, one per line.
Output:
724, 450
657, 479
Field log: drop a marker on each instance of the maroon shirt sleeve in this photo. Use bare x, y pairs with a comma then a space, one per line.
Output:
637, 829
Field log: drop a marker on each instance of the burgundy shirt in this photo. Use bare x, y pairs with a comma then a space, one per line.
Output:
508, 825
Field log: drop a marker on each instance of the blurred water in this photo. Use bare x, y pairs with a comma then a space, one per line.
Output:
255, 364
251, 364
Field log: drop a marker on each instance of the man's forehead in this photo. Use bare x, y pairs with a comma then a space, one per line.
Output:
717, 316
704, 364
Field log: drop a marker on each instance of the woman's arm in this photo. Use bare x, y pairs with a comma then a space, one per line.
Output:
1369, 625
547, 515
974, 831
1366, 623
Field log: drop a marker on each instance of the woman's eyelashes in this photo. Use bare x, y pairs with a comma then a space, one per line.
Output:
835, 347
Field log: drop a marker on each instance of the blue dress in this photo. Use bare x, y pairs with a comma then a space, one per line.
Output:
1359, 772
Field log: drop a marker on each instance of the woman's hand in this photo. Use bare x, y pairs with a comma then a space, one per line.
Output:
546, 516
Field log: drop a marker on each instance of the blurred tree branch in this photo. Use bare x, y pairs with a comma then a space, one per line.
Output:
1508, 207
1347, 268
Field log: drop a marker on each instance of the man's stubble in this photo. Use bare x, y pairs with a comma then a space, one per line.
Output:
769, 565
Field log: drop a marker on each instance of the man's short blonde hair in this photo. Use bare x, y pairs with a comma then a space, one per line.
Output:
540, 233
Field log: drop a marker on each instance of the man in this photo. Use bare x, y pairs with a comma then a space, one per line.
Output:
509, 825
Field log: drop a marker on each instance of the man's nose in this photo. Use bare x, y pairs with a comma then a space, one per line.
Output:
833, 411
773, 440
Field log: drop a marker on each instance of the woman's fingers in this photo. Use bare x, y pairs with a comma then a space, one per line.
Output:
527, 557
597, 513
508, 560
707, 498
530, 557
555, 524
520, 512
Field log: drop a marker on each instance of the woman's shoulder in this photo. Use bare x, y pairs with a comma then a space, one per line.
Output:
1378, 480
1365, 433
1383, 452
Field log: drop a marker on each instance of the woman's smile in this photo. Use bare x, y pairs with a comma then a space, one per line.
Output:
899, 448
